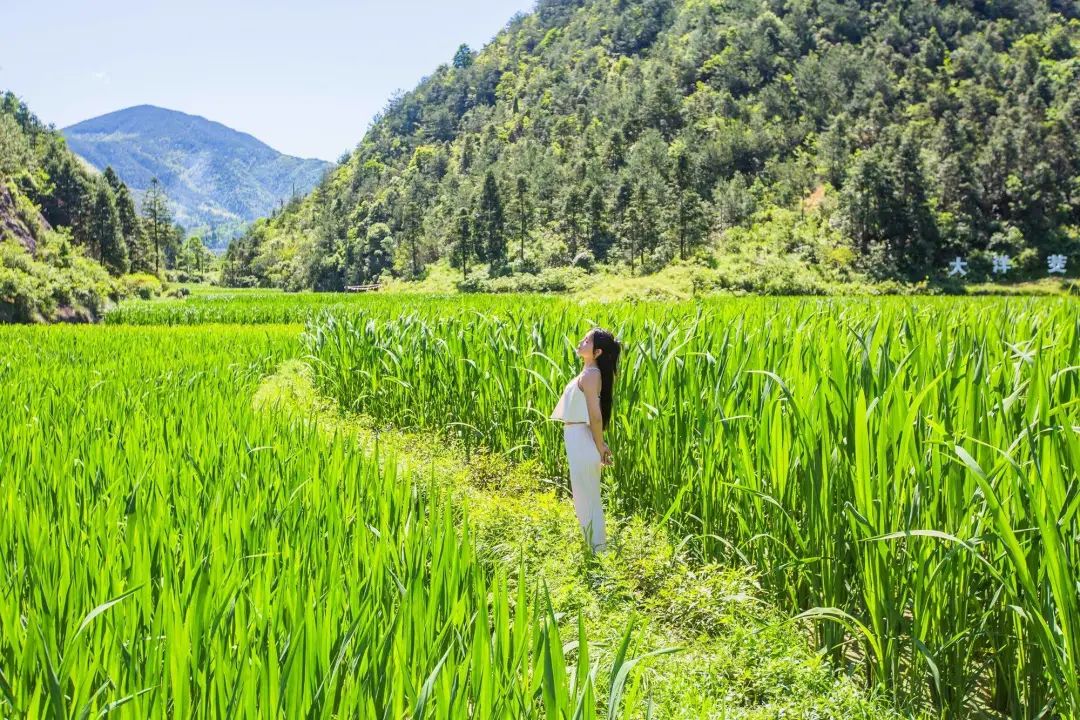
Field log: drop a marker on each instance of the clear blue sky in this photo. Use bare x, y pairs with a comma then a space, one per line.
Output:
304, 76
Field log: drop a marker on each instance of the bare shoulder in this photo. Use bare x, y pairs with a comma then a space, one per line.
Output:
591, 380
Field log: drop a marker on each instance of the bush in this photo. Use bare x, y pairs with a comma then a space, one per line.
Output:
529, 265
584, 259
23, 297
548, 280
185, 276
772, 275
58, 282
142, 285
783, 251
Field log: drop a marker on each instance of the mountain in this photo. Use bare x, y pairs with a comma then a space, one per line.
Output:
843, 139
217, 179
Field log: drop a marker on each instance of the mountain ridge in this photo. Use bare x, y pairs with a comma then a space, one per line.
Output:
217, 178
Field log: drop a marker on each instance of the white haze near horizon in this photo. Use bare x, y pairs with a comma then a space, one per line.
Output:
304, 77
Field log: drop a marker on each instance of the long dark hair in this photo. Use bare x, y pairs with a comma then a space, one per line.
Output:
608, 362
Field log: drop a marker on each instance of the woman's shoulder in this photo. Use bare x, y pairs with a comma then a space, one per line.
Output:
588, 373
590, 379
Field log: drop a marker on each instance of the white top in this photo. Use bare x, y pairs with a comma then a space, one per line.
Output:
572, 406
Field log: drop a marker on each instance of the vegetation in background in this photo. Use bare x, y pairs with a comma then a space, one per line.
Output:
853, 142
67, 234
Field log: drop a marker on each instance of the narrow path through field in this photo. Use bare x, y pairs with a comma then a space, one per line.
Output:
738, 658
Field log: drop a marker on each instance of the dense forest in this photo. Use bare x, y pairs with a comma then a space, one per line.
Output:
877, 140
70, 238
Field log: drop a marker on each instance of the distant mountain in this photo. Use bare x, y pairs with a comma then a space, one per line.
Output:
217, 179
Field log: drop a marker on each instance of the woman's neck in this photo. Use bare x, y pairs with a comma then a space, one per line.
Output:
590, 364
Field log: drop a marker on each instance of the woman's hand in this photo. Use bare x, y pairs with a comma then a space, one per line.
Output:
606, 457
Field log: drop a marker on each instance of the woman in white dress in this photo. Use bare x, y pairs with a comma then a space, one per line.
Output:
585, 409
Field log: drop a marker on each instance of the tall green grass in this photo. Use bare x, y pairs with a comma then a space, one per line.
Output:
903, 471
167, 551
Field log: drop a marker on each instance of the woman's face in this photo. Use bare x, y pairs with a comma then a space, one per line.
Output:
585, 348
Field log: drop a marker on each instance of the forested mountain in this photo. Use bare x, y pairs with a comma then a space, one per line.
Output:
217, 179
68, 235
882, 138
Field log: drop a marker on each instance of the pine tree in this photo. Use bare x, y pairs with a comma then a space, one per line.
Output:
834, 150
689, 220
463, 58
112, 179
174, 243
104, 230
645, 230
633, 235
68, 202
915, 235
411, 226
130, 227
490, 223
157, 221
378, 252
463, 242
523, 213
572, 222
599, 240
886, 209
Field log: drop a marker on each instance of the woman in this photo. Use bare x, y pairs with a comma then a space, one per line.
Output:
585, 409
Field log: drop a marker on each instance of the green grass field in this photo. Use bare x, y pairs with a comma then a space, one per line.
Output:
893, 481
906, 472
171, 550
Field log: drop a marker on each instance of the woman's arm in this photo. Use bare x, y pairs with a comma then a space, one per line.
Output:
590, 385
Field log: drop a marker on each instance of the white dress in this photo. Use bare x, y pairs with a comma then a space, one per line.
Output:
585, 463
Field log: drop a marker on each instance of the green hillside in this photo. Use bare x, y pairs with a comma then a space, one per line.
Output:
847, 140
69, 238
